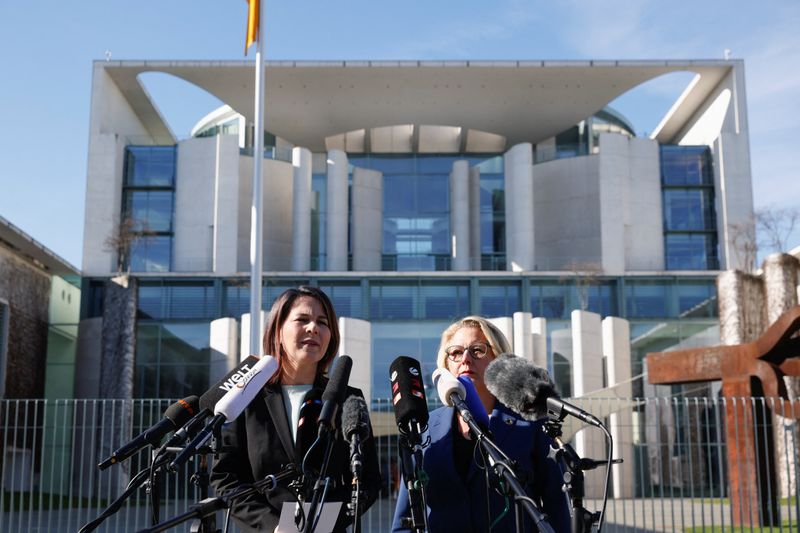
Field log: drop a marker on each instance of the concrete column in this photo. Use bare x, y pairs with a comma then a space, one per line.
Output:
459, 216
356, 341
244, 336
587, 377
617, 352
475, 218
301, 209
780, 281
518, 163
367, 206
336, 232
506, 325
226, 205
523, 340
224, 336
539, 341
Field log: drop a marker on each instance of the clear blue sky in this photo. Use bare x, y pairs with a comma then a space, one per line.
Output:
48, 48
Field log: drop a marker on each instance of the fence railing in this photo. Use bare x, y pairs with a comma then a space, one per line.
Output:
675, 475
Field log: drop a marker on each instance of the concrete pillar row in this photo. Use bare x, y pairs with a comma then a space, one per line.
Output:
367, 210
336, 231
460, 216
301, 209
617, 353
518, 163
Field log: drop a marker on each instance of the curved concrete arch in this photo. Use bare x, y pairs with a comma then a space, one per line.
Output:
529, 101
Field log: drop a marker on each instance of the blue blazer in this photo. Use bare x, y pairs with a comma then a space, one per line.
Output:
456, 506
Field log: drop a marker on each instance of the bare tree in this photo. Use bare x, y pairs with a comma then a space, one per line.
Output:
744, 243
584, 274
775, 226
122, 238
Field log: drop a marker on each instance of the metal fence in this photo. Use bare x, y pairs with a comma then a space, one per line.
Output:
675, 475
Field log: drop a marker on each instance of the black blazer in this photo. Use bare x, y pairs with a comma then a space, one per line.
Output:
259, 443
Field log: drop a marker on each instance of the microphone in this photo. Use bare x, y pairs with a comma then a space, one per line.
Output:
231, 405
175, 416
355, 428
207, 402
334, 393
408, 395
411, 413
529, 391
474, 403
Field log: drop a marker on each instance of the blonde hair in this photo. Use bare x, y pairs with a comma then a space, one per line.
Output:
497, 341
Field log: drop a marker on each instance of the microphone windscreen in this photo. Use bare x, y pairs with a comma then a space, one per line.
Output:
214, 394
182, 411
408, 392
337, 385
355, 418
474, 403
521, 385
447, 384
239, 397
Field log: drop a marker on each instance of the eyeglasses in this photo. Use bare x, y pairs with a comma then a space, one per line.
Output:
456, 353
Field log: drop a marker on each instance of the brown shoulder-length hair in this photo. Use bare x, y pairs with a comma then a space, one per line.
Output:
277, 316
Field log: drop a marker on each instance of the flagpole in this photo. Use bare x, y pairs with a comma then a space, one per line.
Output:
256, 208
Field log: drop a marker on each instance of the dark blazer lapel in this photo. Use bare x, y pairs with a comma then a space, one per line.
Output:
277, 412
441, 452
500, 425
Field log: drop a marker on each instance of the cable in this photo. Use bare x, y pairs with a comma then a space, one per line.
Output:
608, 477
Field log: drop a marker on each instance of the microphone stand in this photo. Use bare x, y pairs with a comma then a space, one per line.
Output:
208, 506
355, 468
317, 497
416, 479
582, 519
138, 480
502, 469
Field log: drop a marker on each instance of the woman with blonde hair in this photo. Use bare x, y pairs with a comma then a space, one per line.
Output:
461, 494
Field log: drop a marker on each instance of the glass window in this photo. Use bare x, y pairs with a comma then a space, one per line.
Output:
691, 251
345, 297
236, 298
393, 300
392, 164
444, 300
697, 299
433, 194
177, 300
151, 253
399, 195
416, 339
436, 164
152, 166
319, 187
172, 359
550, 301
150, 210
686, 165
499, 299
688, 209
646, 299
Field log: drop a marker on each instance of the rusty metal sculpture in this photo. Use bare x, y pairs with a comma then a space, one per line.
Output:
753, 369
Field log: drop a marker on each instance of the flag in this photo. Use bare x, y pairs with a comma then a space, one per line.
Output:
253, 13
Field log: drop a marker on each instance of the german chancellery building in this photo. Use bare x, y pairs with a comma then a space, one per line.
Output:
413, 193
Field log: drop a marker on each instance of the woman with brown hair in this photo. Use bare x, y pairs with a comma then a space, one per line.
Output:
303, 335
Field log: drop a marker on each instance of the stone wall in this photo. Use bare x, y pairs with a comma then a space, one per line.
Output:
26, 288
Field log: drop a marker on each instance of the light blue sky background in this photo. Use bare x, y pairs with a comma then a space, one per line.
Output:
48, 48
